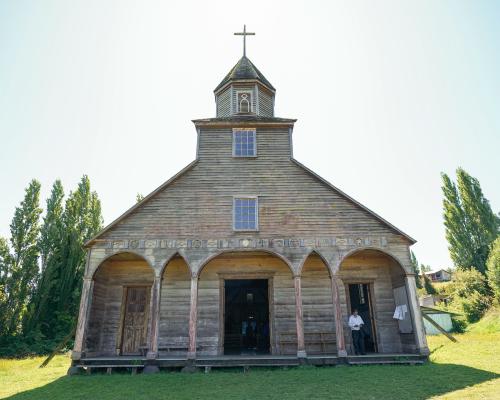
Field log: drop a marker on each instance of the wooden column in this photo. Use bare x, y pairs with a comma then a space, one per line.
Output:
339, 326
193, 314
418, 323
85, 301
155, 316
299, 319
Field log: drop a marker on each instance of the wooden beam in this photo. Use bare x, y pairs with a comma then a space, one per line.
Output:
339, 327
301, 347
82, 317
193, 313
417, 315
439, 327
155, 316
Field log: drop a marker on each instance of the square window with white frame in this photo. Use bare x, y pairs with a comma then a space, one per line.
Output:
245, 213
244, 143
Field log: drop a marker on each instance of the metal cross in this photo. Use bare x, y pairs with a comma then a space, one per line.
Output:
244, 34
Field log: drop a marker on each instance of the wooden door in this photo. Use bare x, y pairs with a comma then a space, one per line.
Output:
135, 320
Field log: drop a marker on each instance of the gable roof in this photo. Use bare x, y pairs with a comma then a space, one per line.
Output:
243, 70
140, 203
192, 164
355, 202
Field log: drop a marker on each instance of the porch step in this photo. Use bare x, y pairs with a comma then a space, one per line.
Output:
250, 362
386, 359
387, 362
112, 363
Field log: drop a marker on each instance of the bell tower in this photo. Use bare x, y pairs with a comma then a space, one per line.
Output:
244, 90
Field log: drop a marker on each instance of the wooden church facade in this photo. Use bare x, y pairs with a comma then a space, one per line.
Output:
245, 252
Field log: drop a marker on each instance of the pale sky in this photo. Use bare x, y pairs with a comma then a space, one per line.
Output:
387, 95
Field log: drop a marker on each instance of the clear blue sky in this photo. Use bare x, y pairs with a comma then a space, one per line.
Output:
387, 94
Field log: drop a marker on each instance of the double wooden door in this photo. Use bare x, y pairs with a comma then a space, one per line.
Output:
135, 320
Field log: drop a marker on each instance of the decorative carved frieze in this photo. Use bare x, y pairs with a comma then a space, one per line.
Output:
245, 243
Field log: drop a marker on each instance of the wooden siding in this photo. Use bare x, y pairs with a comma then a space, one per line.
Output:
292, 201
317, 304
251, 266
262, 100
106, 308
266, 103
223, 102
377, 269
174, 308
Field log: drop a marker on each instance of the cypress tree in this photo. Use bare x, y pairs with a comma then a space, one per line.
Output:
416, 269
65, 263
493, 271
49, 245
6, 262
471, 225
19, 264
61, 242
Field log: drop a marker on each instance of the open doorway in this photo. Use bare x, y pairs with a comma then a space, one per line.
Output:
360, 298
246, 316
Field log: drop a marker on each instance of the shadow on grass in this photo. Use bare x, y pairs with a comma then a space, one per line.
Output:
363, 382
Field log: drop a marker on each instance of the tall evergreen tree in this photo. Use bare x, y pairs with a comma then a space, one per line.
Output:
20, 263
6, 262
62, 239
50, 233
416, 269
471, 225
82, 220
50, 240
493, 271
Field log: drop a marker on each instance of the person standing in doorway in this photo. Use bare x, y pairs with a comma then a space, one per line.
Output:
356, 323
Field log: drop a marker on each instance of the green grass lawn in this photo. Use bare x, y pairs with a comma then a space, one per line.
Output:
469, 369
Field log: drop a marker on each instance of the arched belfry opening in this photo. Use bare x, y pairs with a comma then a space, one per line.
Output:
246, 305
120, 307
374, 284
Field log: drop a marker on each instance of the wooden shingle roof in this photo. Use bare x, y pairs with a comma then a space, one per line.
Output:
244, 70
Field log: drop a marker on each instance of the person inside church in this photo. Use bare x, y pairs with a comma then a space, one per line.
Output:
356, 324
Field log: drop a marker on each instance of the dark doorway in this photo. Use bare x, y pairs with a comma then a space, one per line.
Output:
246, 316
359, 296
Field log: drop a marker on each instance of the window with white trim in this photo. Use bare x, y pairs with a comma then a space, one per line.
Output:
244, 143
244, 102
245, 213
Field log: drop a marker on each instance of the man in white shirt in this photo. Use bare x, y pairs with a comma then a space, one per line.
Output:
356, 323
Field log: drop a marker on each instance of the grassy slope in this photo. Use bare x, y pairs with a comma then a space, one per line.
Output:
490, 323
469, 369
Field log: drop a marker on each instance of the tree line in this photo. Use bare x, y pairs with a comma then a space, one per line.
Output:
472, 231
41, 267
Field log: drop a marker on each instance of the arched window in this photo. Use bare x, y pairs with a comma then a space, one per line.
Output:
244, 102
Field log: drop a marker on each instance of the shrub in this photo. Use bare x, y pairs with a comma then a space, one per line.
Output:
458, 324
470, 294
475, 305
428, 286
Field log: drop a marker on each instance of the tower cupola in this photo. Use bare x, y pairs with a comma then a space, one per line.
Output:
244, 90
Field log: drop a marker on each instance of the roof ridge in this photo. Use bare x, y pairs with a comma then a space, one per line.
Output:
244, 69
